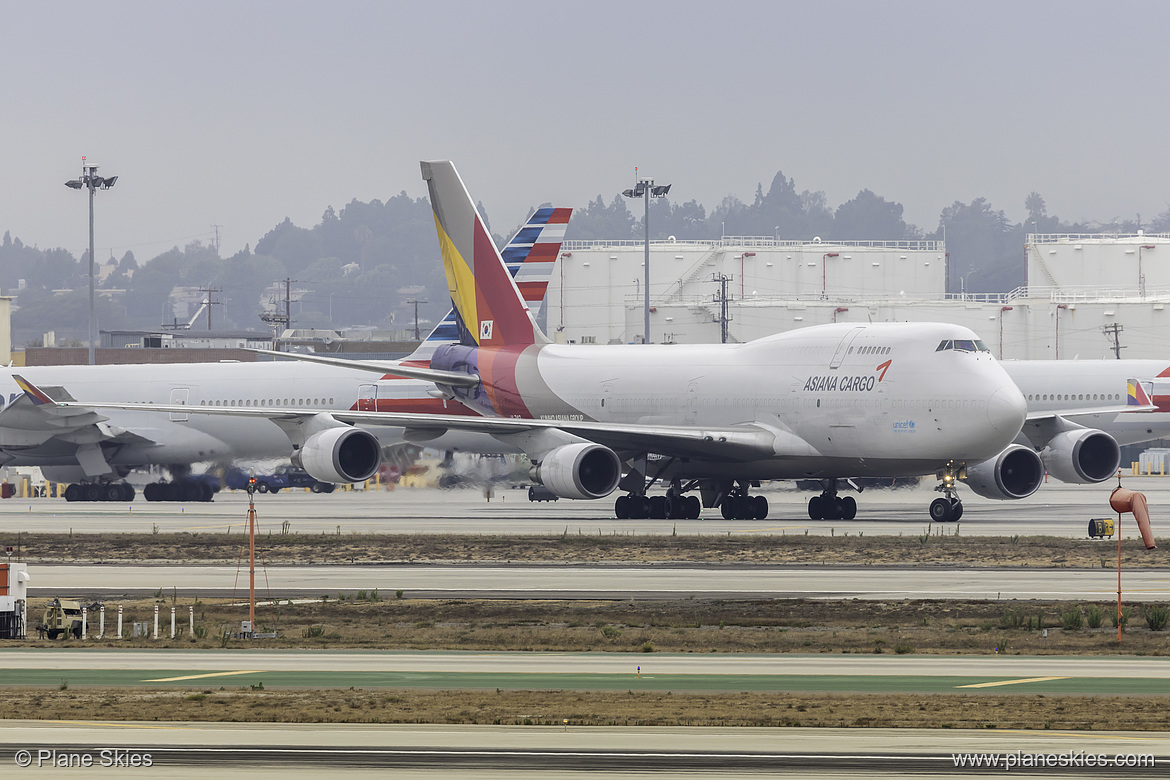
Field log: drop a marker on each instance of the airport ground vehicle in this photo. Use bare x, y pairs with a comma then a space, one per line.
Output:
282, 477
61, 617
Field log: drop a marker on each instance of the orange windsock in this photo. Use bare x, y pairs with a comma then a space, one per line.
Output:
1123, 501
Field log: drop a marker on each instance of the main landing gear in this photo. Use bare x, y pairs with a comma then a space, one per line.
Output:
672, 506
949, 508
179, 490
99, 491
829, 506
738, 505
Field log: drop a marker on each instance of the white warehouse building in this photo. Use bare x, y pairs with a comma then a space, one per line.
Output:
1087, 296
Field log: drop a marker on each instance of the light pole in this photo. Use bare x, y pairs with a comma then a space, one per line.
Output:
646, 189
91, 181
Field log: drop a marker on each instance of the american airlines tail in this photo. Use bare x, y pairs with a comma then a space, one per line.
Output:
491, 310
530, 256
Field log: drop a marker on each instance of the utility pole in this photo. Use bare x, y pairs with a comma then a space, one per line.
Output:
722, 299
416, 302
1113, 333
216, 229
210, 290
276, 319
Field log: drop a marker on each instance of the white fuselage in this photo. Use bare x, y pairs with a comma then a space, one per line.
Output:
849, 400
174, 439
1064, 385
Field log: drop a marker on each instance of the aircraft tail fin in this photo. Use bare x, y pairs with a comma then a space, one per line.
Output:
489, 304
1136, 394
530, 256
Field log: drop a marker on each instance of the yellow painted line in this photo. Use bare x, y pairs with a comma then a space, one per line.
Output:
201, 676
1011, 682
117, 724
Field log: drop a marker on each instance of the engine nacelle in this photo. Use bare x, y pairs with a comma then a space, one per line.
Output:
582, 470
341, 454
1014, 473
1082, 456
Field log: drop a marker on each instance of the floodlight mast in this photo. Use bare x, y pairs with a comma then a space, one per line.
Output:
645, 189
91, 181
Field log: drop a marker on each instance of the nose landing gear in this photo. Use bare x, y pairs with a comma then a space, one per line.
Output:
949, 508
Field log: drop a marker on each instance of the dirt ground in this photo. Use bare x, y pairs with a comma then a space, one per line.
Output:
630, 708
939, 545
371, 620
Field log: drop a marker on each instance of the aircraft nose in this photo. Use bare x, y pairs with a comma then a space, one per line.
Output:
1007, 409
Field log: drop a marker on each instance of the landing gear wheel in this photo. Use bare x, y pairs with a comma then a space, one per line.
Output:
114, 493
760, 507
848, 508
816, 508
941, 510
956, 509
727, 508
621, 507
92, 492
693, 507
73, 492
658, 507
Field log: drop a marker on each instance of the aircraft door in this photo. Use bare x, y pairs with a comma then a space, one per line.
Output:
368, 398
691, 413
843, 347
179, 396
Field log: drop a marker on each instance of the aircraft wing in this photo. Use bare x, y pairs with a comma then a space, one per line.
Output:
48, 413
450, 378
746, 442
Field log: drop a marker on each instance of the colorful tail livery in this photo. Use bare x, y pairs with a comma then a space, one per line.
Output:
1136, 395
530, 257
490, 306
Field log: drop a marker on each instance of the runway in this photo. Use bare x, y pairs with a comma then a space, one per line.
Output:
266, 750
588, 671
657, 581
1056, 509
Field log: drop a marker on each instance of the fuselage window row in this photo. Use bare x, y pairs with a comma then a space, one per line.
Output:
270, 402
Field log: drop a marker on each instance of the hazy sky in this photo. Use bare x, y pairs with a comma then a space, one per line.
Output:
243, 113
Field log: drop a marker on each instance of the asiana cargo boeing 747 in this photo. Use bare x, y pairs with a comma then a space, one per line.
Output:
823, 402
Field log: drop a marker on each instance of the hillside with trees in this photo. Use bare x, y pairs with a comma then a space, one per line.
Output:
362, 265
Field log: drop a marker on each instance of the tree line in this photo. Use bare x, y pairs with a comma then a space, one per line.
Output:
361, 266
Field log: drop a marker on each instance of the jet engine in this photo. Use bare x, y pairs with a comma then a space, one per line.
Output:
1014, 473
1082, 456
341, 454
581, 470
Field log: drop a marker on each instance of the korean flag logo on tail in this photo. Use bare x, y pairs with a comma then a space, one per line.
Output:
485, 330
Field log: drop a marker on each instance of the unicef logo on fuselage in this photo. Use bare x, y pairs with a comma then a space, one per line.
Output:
903, 426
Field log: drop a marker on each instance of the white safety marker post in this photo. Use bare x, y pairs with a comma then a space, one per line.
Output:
119, 621
172, 622
102, 623
156, 621
84, 626
191, 615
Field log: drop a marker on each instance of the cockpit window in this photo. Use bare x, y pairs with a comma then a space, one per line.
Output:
963, 345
